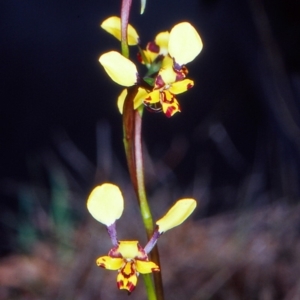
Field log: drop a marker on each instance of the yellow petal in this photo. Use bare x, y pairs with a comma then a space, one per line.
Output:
184, 43
152, 97
120, 69
162, 40
145, 267
128, 249
121, 100
182, 86
167, 62
138, 99
113, 26
149, 55
176, 215
127, 277
165, 76
106, 203
110, 263
169, 103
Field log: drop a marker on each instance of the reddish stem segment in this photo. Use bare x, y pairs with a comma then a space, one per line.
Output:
125, 10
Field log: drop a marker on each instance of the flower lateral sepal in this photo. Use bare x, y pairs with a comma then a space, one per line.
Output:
119, 68
176, 215
106, 204
184, 43
109, 263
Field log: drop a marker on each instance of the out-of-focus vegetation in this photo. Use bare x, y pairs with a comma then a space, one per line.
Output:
242, 254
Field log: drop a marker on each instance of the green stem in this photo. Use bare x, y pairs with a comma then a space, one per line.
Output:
145, 209
129, 141
132, 129
149, 287
132, 126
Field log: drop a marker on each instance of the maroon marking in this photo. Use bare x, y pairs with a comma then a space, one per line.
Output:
120, 284
114, 252
190, 85
159, 83
151, 46
130, 286
132, 270
169, 111
165, 100
139, 57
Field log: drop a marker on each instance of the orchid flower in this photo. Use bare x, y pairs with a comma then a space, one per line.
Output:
129, 258
165, 59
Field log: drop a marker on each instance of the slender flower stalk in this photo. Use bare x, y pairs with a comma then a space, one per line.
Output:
132, 126
125, 10
144, 207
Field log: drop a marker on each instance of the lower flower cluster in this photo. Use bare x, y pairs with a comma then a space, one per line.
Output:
129, 258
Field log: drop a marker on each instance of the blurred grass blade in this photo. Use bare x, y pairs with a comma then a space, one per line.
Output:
143, 6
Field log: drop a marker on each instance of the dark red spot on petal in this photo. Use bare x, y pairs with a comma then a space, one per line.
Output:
130, 287
169, 111
120, 284
128, 270
159, 83
139, 57
165, 99
151, 46
190, 85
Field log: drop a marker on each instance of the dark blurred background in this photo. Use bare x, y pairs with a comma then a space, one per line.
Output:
235, 144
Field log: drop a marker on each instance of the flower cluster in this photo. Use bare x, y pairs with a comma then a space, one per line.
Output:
106, 205
165, 59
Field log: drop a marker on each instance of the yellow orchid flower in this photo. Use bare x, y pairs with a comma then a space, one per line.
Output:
130, 259
113, 26
105, 204
164, 93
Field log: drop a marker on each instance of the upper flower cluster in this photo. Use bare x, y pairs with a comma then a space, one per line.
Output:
106, 205
165, 59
